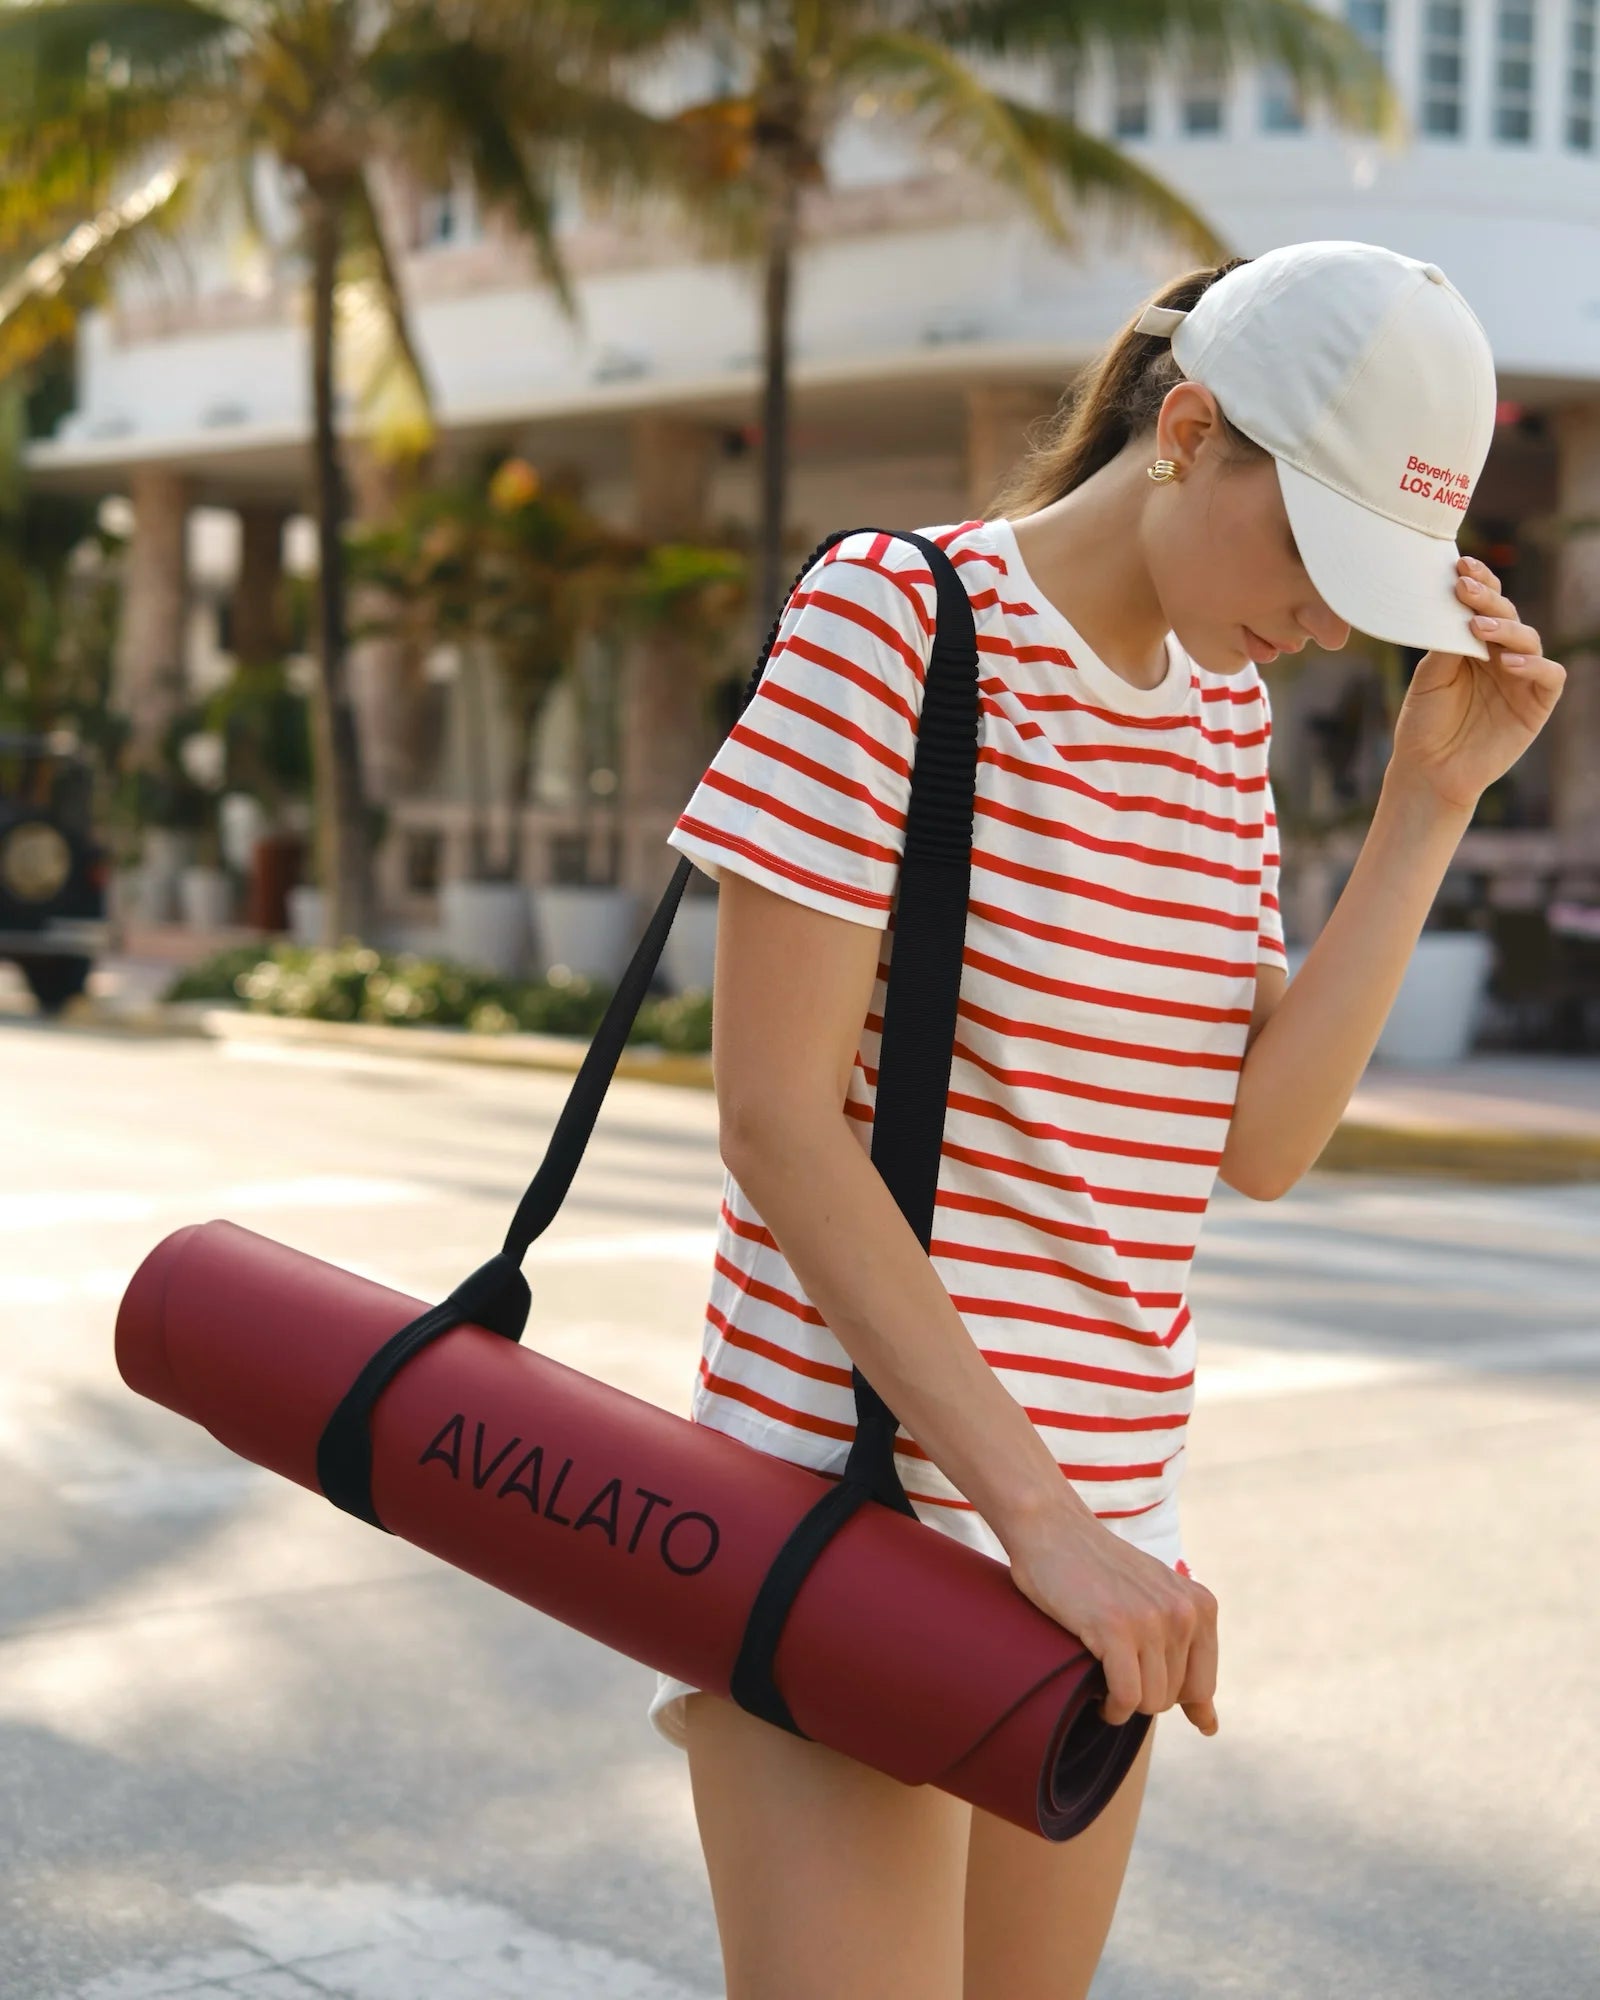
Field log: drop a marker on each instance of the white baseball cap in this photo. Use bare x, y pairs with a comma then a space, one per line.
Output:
1371, 381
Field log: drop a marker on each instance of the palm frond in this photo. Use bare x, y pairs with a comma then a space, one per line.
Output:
41, 298
1324, 56
1099, 172
64, 58
450, 101
393, 389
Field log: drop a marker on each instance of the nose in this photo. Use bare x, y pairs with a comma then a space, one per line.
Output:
1324, 625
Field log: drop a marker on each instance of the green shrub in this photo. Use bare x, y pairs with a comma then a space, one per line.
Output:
217, 977
353, 982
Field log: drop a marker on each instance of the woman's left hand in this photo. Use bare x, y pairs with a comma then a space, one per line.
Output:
1465, 721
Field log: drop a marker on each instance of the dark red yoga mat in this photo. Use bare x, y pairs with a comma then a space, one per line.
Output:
904, 1648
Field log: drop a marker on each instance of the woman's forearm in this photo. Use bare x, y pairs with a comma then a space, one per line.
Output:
859, 1262
1301, 1068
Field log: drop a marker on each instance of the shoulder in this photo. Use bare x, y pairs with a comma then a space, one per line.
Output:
887, 573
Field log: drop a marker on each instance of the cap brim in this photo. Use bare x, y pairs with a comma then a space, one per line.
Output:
1385, 579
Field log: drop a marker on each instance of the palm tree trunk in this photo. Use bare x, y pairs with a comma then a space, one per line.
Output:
776, 290
344, 858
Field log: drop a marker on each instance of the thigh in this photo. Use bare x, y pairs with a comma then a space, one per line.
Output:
1037, 1911
829, 1880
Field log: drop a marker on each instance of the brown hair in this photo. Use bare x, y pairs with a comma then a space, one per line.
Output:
1114, 399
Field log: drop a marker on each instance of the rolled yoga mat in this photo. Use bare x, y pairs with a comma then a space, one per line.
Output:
904, 1648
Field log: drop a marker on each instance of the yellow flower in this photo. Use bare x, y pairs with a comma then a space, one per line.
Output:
513, 485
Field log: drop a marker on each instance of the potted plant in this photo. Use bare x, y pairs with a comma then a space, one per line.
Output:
205, 887
262, 717
429, 562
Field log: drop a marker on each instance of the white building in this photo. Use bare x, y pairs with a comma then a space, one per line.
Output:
932, 322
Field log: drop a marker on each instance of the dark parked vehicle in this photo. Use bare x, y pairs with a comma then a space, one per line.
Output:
53, 872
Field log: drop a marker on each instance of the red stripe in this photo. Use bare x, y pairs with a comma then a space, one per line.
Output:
869, 899
1052, 704
1118, 899
1101, 996
1065, 1038
741, 1392
1155, 857
1014, 920
1046, 774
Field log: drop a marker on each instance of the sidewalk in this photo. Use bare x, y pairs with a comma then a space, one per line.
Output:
1494, 1117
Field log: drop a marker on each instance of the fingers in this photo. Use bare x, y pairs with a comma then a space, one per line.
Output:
1170, 1656
1494, 616
1124, 1682
1510, 634
1199, 1686
1480, 572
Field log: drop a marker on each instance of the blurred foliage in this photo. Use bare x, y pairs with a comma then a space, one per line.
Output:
354, 982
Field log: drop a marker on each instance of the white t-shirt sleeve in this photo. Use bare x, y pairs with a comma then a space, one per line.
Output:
807, 793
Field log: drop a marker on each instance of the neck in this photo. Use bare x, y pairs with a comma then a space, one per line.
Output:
1084, 553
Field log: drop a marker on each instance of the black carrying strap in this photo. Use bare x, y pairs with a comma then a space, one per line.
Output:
919, 1021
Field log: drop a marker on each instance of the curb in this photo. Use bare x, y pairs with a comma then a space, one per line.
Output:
641, 1061
1361, 1145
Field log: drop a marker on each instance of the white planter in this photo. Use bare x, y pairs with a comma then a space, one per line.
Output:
125, 894
588, 930
205, 898
1436, 1009
486, 924
241, 821
164, 853
305, 914
689, 956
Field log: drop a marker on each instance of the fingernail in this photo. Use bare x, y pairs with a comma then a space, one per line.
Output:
1484, 624
1472, 583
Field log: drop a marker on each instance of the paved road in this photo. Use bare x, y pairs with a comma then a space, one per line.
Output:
249, 1747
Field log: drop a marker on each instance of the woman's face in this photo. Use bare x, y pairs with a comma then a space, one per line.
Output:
1219, 548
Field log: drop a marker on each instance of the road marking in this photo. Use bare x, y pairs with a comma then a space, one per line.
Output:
381, 1941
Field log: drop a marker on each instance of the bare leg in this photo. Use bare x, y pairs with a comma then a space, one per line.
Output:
829, 1880
1038, 1912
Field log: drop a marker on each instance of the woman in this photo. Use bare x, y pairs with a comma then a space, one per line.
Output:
1292, 465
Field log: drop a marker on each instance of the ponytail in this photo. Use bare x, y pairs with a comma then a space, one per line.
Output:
1117, 398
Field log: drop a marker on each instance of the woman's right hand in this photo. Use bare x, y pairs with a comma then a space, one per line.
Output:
1153, 1631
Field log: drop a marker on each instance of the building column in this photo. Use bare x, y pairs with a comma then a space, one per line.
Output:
257, 621
1575, 610
998, 417
148, 674
665, 733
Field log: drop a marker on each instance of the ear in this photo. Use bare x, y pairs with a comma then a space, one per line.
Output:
1187, 420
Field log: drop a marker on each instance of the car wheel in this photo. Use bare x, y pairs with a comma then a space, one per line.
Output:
55, 981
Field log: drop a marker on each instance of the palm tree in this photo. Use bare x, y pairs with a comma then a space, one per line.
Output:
805, 65
126, 121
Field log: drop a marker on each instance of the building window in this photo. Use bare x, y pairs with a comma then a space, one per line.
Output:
1581, 75
1065, 71
1513, 71
447, 215
1444, 31
1203, 87
1370, 20
1282, 108
1130, 94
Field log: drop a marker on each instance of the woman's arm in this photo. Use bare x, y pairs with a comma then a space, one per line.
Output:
793, 986
1464, 721
1315, 1040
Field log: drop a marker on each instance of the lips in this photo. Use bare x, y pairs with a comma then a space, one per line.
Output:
1260, 650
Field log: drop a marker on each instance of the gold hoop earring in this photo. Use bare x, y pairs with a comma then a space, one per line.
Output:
1163, 469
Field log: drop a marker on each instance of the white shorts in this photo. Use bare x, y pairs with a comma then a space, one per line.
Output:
1156, 1532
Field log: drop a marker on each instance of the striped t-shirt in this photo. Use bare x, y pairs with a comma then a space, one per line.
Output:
1124, 870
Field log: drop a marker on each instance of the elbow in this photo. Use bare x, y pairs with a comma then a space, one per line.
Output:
1258, 1180
753, 1130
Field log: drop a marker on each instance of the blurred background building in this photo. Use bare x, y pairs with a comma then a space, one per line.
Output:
932, 323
